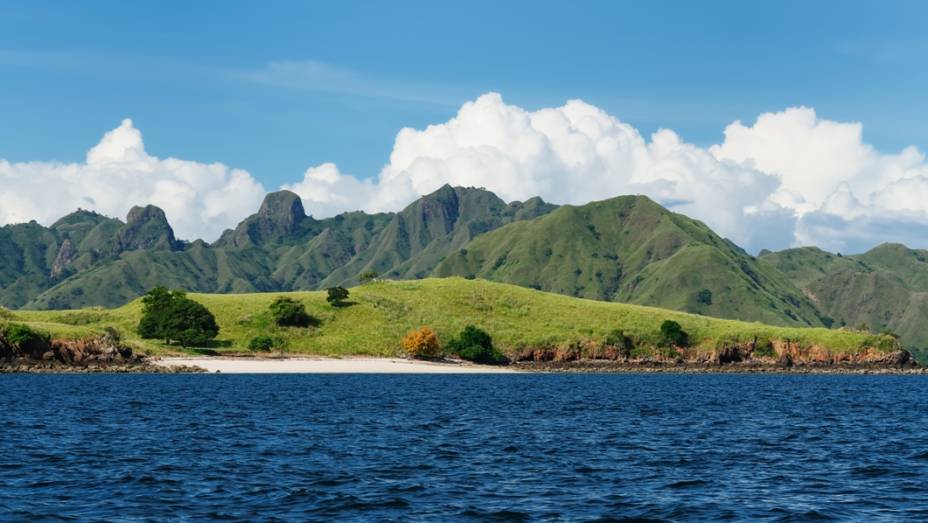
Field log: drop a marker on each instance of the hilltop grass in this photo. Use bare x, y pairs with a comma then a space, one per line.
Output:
381, 313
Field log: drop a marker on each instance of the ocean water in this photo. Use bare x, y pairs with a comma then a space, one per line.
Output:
463, 448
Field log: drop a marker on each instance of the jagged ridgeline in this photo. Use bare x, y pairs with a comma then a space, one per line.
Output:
626, 249
87, 259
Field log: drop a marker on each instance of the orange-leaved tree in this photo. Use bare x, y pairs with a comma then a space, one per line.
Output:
422, 343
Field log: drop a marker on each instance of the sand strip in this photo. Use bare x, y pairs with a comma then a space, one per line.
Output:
328, 366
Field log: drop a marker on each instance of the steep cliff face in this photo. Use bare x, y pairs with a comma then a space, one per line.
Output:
146, 228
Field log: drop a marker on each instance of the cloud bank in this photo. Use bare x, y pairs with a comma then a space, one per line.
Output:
200, 200
791, 178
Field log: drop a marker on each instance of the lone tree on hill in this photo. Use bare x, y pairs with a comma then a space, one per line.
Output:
173, 317
288, 312
337, 296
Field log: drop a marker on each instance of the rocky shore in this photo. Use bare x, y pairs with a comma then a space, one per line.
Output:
28, 351
778, 357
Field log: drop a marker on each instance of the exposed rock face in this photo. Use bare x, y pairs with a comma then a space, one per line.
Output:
281, 216
779, 354
66, 253
146, 228
100, 354
282, 211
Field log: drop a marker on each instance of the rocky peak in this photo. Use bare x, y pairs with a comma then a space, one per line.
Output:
284, 209
146, 228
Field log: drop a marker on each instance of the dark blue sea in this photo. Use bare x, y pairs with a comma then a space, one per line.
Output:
463, 448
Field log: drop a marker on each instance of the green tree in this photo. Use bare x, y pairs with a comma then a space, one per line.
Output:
622, 343
288, 312
368, 276
704, 297
475, 344
173, 317
673, 335
337, 296
265, 343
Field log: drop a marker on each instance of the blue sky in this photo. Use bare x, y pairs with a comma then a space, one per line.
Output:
72, 70
312, 95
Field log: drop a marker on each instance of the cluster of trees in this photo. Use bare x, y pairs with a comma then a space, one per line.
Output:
173, 317
472, 344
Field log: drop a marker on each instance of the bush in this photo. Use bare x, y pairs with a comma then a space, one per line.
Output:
23, 339
288, 312
265, 343
368, 276
173, 317
704, 297
422, 343
622, 343
337, 296
673, 335
474, 344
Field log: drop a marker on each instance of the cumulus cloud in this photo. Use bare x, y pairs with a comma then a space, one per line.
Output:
789, 179
200, 200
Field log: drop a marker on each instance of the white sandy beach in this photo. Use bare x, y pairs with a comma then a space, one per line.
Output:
328, 366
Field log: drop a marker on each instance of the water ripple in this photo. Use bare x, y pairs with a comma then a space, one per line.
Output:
463, 448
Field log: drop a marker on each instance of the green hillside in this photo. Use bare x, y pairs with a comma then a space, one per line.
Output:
631, 249
384, 311
279, 248
885, 288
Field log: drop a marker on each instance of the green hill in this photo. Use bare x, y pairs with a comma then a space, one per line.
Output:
384, 311
631, 249
88, 260
885, 288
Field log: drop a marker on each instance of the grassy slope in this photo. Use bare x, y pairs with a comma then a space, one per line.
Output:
630, 249
884, 288
384, 311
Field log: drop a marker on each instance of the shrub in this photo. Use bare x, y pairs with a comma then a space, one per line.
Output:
422, 343
173, 317
368, 276
764, 347
617, 339
704, 297
474, 344
337, 296
288, 312
24, 340
265, 343
673, 335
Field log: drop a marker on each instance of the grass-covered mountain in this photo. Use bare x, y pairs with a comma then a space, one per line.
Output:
627, 249
885, 288
631, 249
87, 259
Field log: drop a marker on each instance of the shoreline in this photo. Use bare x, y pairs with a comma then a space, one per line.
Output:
384, 365
322, 365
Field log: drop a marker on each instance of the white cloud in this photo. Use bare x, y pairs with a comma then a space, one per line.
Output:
792, 178
200, 200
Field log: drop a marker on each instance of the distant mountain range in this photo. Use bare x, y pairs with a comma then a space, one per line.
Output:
626, 249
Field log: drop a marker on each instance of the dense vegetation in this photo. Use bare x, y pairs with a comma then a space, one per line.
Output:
172, 317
